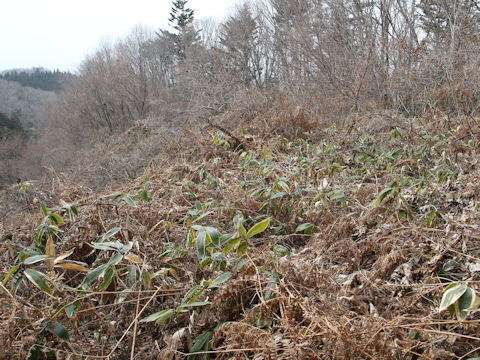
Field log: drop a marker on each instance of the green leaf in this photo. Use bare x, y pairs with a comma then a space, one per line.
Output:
193, 293
238, 224
220, 279
110, 233
226, 238
94, 274
449, 265
272, 282
200, 342
201, 244
241, 230
132, 275
38, 279
278, 195
71, 308
465, 304
307, 228
107, 277
283, 185
159, 316
57, 219
339, 196
205, 263
114, 246
57, 329
43, 209
129, 200
258, 228
173, 273
37, 258
214, 235
432, 216
383, 194
147, 279
281, 250
451, 294
115, 259
231, 244
12, 272
242, 248
192, 304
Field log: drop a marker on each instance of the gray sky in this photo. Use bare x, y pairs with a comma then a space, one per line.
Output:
59, 34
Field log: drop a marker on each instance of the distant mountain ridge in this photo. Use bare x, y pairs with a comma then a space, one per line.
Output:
27, 70
37, 78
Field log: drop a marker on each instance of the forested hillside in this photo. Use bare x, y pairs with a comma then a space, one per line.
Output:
23, 119
25, 103
37, 78
300, 181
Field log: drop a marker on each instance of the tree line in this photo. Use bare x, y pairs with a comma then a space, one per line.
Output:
338, 55
335, 57
37, 78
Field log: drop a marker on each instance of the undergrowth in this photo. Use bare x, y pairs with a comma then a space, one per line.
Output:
297, 243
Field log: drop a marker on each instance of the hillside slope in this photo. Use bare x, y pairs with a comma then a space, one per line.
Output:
296, 243
24, 102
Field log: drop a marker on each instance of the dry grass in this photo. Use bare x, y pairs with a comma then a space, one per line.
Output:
367, 285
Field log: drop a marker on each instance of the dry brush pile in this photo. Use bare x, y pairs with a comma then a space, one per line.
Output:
299, 243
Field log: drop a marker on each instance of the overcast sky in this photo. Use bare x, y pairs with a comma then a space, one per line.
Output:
59, 34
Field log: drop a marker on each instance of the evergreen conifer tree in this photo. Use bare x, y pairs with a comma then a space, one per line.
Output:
180, 16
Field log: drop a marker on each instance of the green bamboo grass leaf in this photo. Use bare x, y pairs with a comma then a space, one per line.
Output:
238, 223
200, 343
109, 233
94, 274
278, 195
192, 304
58, 329
258, 228
63, 256
201, 244
193, 293
307, 228
132, 275
114, 246
231, 244
220, 279
12, 272
242, 248
451, 294
241, 230
283, 185
281, 250
205, 263
39, 280
107, 278
57, 219
465, 304
37, 258
43, 209
159, 316
214, 235
226, 238
71, 308
197, 219
128, 200
383, 194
